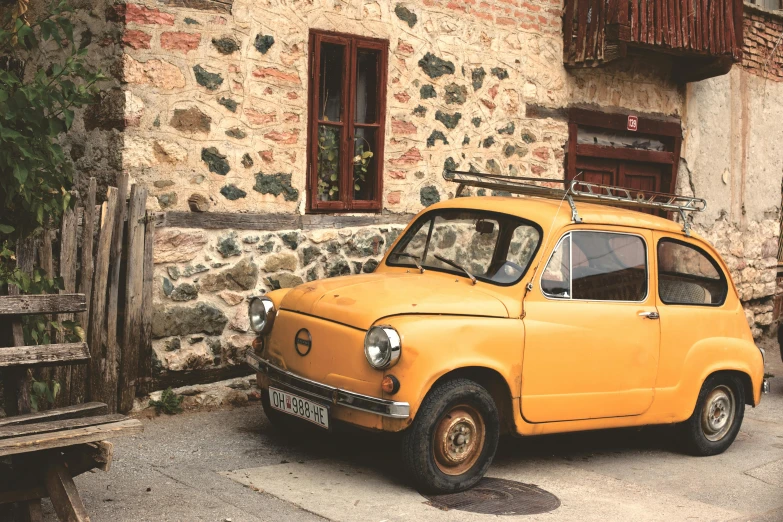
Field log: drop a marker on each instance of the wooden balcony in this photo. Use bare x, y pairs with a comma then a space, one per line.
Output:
704, 37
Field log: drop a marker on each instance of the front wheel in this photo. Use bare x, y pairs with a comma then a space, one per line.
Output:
717, 418
453, 439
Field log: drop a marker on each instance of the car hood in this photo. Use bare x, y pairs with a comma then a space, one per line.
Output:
361, 300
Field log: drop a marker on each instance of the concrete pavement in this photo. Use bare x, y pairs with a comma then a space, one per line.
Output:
215, 466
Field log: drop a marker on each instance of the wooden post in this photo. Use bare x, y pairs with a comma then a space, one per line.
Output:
79, 373
129, 368
65, 498
145, 345
98, 308
112, 342
16, 381
68, 252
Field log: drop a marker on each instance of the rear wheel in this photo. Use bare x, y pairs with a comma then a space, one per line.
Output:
717, 418
453, 438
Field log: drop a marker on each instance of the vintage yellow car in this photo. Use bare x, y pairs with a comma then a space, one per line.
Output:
532, 314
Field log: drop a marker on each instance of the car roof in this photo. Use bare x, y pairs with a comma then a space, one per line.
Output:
557, 213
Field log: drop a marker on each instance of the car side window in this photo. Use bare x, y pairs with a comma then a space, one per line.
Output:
597, 266
688, 275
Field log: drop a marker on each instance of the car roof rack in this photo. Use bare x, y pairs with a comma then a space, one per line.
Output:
576, 190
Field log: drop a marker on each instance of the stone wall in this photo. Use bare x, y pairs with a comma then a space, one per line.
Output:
203, 281
731, 157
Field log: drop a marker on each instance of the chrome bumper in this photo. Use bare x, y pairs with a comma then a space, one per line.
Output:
329, 394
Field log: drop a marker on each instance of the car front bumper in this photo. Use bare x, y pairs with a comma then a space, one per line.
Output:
323, 392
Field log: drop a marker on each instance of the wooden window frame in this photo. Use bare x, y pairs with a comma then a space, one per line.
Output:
352, 44
667, 130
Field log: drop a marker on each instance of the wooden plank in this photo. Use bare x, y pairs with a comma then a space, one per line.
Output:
643, 9
634, 16
41, 304
592, 28
134, 295
568, 32
79, 373
62, 491
581, 29
21, 494
666, 11
738, 13
677, 29
60, 439
68, 262
69, 412
86, 457
98, 364
145, 343
650, 36
658, 5
599, 151
688, 27
234, 220
44, 355
51, 426
731, 47
112, 342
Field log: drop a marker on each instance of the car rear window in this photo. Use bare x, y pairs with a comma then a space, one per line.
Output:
688, 275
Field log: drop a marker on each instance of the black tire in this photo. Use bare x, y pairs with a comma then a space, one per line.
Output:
466, 400
699, 434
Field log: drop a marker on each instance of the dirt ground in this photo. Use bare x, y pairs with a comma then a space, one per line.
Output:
233, 466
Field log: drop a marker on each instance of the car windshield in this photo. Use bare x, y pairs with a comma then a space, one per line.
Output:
494, 248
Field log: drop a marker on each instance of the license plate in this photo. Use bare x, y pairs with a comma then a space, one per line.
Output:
299, 407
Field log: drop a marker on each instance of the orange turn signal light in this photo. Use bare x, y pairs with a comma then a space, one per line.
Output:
390, 384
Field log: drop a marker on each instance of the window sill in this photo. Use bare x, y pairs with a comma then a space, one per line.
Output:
775, 14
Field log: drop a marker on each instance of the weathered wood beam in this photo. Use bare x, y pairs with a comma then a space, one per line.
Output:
47, 427
68, 412
59, 439
273, 222
65, 497
44, 355
42, 304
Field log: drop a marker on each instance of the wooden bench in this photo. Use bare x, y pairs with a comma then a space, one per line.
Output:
47, 449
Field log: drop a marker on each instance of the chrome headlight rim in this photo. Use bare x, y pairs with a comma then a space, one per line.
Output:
263, 321
395, 347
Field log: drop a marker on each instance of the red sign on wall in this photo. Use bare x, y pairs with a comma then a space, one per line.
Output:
633, 123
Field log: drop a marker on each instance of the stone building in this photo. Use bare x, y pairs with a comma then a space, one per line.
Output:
251, 124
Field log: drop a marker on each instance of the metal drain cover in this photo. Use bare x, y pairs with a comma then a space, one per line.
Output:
493, 496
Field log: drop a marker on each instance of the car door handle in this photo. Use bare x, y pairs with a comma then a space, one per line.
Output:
649, 315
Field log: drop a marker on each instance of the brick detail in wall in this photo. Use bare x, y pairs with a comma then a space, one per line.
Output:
761, 33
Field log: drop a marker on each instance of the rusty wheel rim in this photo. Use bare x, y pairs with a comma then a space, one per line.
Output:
459, 439
717, 418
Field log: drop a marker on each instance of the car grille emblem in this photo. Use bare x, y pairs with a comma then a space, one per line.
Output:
303, 342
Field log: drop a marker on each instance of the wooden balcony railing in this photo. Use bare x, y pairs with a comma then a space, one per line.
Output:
706, 33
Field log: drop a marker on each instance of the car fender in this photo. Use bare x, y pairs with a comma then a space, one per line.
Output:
434, 345
712, 355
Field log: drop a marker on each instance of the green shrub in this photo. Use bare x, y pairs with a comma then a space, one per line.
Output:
169, 403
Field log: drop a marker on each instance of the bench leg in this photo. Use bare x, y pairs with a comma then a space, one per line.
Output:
31, 510
65, 498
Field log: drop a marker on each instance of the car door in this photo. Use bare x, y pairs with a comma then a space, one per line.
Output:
591, 329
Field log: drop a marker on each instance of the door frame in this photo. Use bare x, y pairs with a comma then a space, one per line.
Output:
668, 130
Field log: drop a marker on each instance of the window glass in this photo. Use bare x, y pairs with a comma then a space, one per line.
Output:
556, 280
687, 275
597, 266
366, 86
331, 82
329, 162
492, 247
614, 267
364, 164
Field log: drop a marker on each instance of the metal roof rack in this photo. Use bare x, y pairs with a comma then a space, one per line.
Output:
576, 190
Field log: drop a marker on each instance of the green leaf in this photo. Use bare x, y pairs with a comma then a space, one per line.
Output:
6, 229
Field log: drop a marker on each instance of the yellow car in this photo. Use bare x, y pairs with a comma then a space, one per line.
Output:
529, 315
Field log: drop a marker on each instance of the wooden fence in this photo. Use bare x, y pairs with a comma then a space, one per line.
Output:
104, 252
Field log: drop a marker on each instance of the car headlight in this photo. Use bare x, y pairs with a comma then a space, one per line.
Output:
382, 347
262, 314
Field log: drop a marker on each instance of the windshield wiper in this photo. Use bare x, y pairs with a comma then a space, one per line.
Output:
455, 265
415, 260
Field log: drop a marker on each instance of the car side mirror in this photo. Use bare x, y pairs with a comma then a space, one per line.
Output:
485, 227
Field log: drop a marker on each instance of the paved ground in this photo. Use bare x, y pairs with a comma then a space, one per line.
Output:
232, 465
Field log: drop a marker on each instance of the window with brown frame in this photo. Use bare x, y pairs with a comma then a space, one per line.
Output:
347, 113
